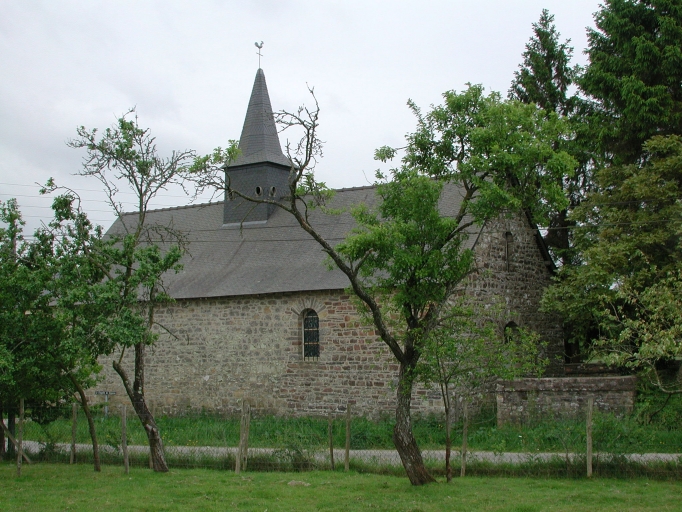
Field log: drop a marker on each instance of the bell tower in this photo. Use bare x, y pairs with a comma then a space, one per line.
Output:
261, 170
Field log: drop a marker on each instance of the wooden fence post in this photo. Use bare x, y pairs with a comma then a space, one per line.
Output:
331, 440
20, 437
243, 451
590, 407
124, 439
74, 427
151, 459
346, 465
465, 431
13, 441
2, 433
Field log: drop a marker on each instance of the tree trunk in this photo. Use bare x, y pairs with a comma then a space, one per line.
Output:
136, 395
91, 421
403, 438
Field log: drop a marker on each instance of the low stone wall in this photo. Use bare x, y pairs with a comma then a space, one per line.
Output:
524, 400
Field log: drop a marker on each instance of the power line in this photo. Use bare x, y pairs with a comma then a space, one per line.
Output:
83, 190
609, 203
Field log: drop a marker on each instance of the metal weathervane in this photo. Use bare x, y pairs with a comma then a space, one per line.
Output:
260, 47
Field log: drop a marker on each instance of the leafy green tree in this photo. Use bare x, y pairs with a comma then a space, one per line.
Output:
405, 260
131, 258
634, 83
626, 295
468, 352
634, 75
27, 328
42, 308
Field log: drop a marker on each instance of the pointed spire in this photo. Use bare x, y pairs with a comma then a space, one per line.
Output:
259, 142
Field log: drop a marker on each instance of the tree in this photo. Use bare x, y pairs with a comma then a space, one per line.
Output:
545, 78
626, 296
468, 352
25, 323
43, 308
71, 247
634, 81
405, 260
634, 75
133, 262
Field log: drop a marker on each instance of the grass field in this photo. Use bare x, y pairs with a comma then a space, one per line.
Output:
64, 487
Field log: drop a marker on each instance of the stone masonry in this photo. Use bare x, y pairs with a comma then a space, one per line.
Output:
526, 400
223, 350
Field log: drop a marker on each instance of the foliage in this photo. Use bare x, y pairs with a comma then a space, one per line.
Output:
138, 251
628, 294
635, 74
411, 256
405, 259
502, 153
545, 78
50, 319
28, 330
469, 352
546, 75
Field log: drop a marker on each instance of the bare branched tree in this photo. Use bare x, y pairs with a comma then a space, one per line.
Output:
139, 252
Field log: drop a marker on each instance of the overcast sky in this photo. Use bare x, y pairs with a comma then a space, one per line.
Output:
188, 68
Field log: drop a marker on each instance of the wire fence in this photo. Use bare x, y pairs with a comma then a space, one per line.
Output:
542, 446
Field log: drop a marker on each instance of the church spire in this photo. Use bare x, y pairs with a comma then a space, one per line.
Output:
259, 142
261, 170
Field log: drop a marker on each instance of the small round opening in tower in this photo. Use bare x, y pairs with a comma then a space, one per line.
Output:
259, 191
273, 191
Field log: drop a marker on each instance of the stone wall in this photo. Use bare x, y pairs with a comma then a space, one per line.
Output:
525, 400
512, 271
226, 349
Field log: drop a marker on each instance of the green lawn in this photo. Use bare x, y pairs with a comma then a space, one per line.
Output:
64, 487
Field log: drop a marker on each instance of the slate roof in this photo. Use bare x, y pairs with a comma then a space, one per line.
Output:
259, 141
277, 256
271, 257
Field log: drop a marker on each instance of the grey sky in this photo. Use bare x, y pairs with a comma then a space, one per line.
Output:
188, 67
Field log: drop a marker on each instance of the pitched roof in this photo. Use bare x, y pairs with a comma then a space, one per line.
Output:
259, 141
272, 257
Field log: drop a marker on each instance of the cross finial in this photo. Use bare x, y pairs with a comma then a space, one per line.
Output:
260, 47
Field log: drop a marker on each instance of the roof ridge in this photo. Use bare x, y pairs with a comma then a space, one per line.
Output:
183, 207
216, 203
347, 189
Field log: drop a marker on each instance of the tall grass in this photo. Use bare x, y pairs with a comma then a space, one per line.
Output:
611, 434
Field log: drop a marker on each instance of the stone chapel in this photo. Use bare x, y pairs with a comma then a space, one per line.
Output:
258, 315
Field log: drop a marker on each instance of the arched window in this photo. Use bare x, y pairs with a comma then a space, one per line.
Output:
311, 336
511, 331
508, 248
